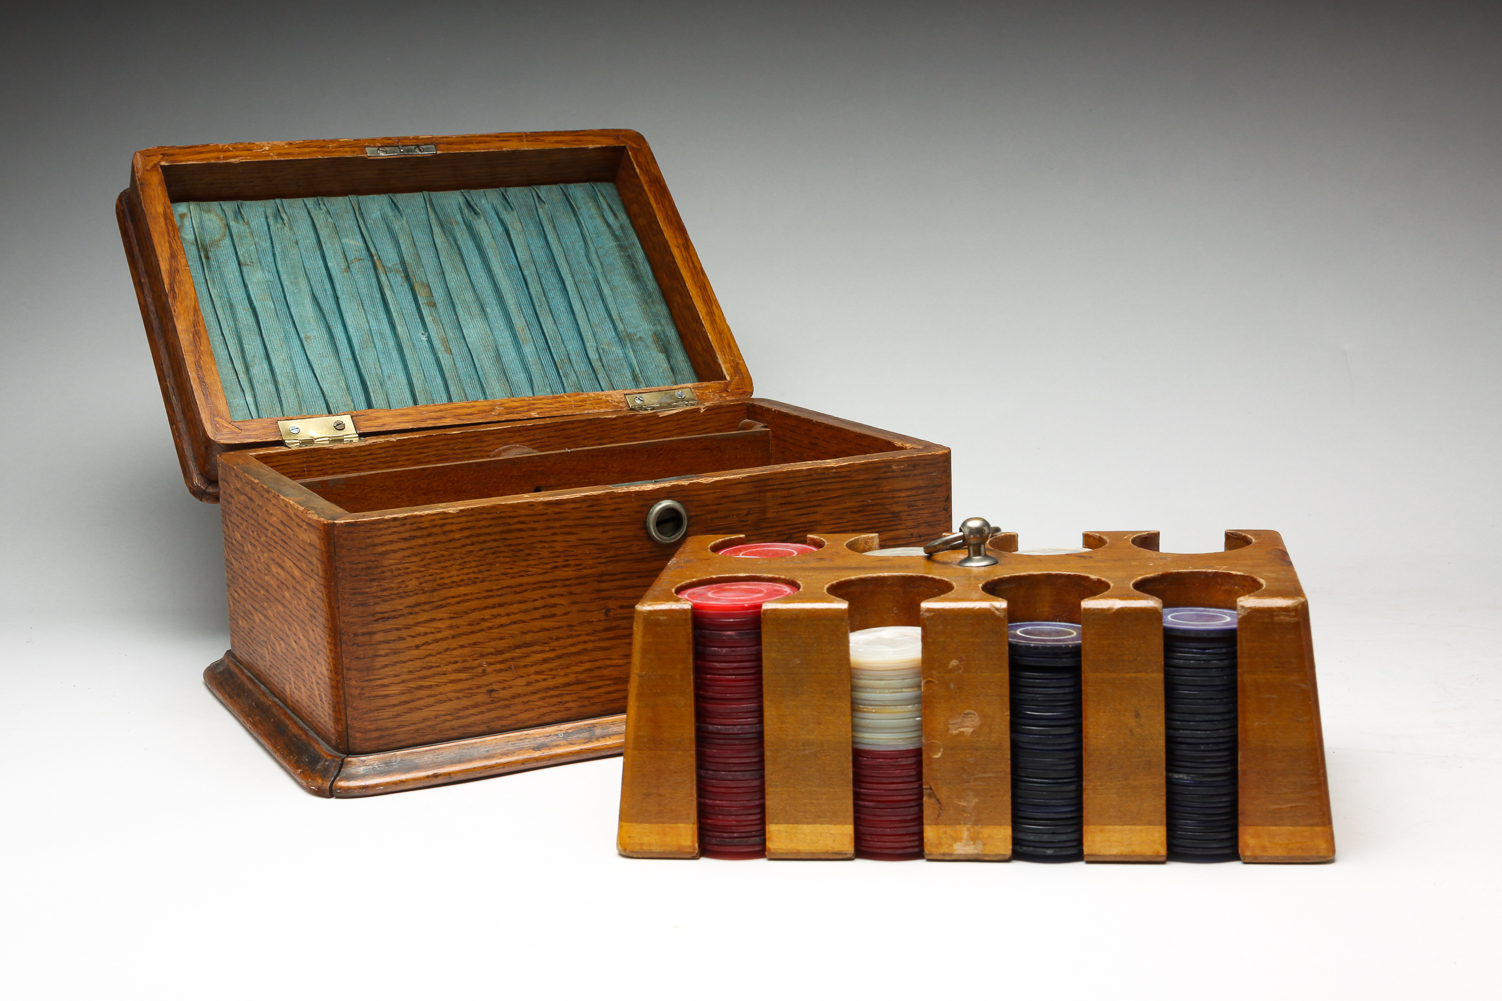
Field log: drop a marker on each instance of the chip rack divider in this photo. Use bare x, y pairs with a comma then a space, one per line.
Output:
1284, 800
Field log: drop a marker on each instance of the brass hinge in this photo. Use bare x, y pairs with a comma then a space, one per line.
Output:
338, 429
668, 399
400, 150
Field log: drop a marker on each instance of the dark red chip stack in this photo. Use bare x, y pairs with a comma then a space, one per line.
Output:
728, 716
889, 804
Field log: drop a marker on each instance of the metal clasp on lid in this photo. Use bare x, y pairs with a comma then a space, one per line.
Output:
400, 150
973, 535
668, 399
338, 429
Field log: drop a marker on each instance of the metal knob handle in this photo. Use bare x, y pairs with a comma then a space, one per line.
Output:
973, 535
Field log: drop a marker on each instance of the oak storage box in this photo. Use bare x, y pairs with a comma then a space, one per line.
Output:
437, 384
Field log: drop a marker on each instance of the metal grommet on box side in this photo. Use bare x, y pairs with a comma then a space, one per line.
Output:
667, 521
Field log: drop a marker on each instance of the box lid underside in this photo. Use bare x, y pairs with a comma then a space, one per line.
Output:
336, 304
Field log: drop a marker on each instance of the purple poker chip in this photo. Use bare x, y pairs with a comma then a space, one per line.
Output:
1045, 634
1193, 621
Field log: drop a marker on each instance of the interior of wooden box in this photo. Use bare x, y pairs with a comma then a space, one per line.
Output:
566, 454
340, 284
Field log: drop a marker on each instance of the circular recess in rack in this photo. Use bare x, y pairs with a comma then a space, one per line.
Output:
667, 522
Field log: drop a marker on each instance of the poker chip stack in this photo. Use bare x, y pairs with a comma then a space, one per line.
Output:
886, 704
728, 716
1047, 751
1199, 680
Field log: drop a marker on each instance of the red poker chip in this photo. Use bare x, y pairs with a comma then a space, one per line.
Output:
768, 550
729, 637
730, 809
725, 855
749, 836
733, 788
884, 755
727, 640
737, 622
912, 803
733, 825
704, 650
899, 818
735, 596
888, 856
745, 729
889, 843
721, 776
887, 817
911, 832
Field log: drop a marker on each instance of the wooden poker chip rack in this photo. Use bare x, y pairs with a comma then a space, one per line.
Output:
1115, 590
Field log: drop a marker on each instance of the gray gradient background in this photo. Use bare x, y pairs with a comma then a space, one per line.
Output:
1185, 267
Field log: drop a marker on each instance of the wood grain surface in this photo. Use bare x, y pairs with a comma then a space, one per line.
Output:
279, 570
1116, 589
536, 472
325, 772
805, 643
659, 817
397, 628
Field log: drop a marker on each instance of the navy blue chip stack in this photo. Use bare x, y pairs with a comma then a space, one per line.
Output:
1199, 679
1047, 731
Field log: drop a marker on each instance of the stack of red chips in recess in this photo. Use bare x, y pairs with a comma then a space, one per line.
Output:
887, 734
728, 716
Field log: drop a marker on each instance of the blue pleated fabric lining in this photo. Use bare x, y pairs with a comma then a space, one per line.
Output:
358, 302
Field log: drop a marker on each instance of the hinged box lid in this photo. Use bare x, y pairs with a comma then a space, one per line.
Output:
415, 282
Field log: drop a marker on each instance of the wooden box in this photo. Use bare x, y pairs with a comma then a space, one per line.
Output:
449, 596
1116, 588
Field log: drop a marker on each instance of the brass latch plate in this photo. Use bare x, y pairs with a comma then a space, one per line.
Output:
668, 399
400, 150
338, 429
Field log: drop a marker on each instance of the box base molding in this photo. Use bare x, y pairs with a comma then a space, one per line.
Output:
323, 771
